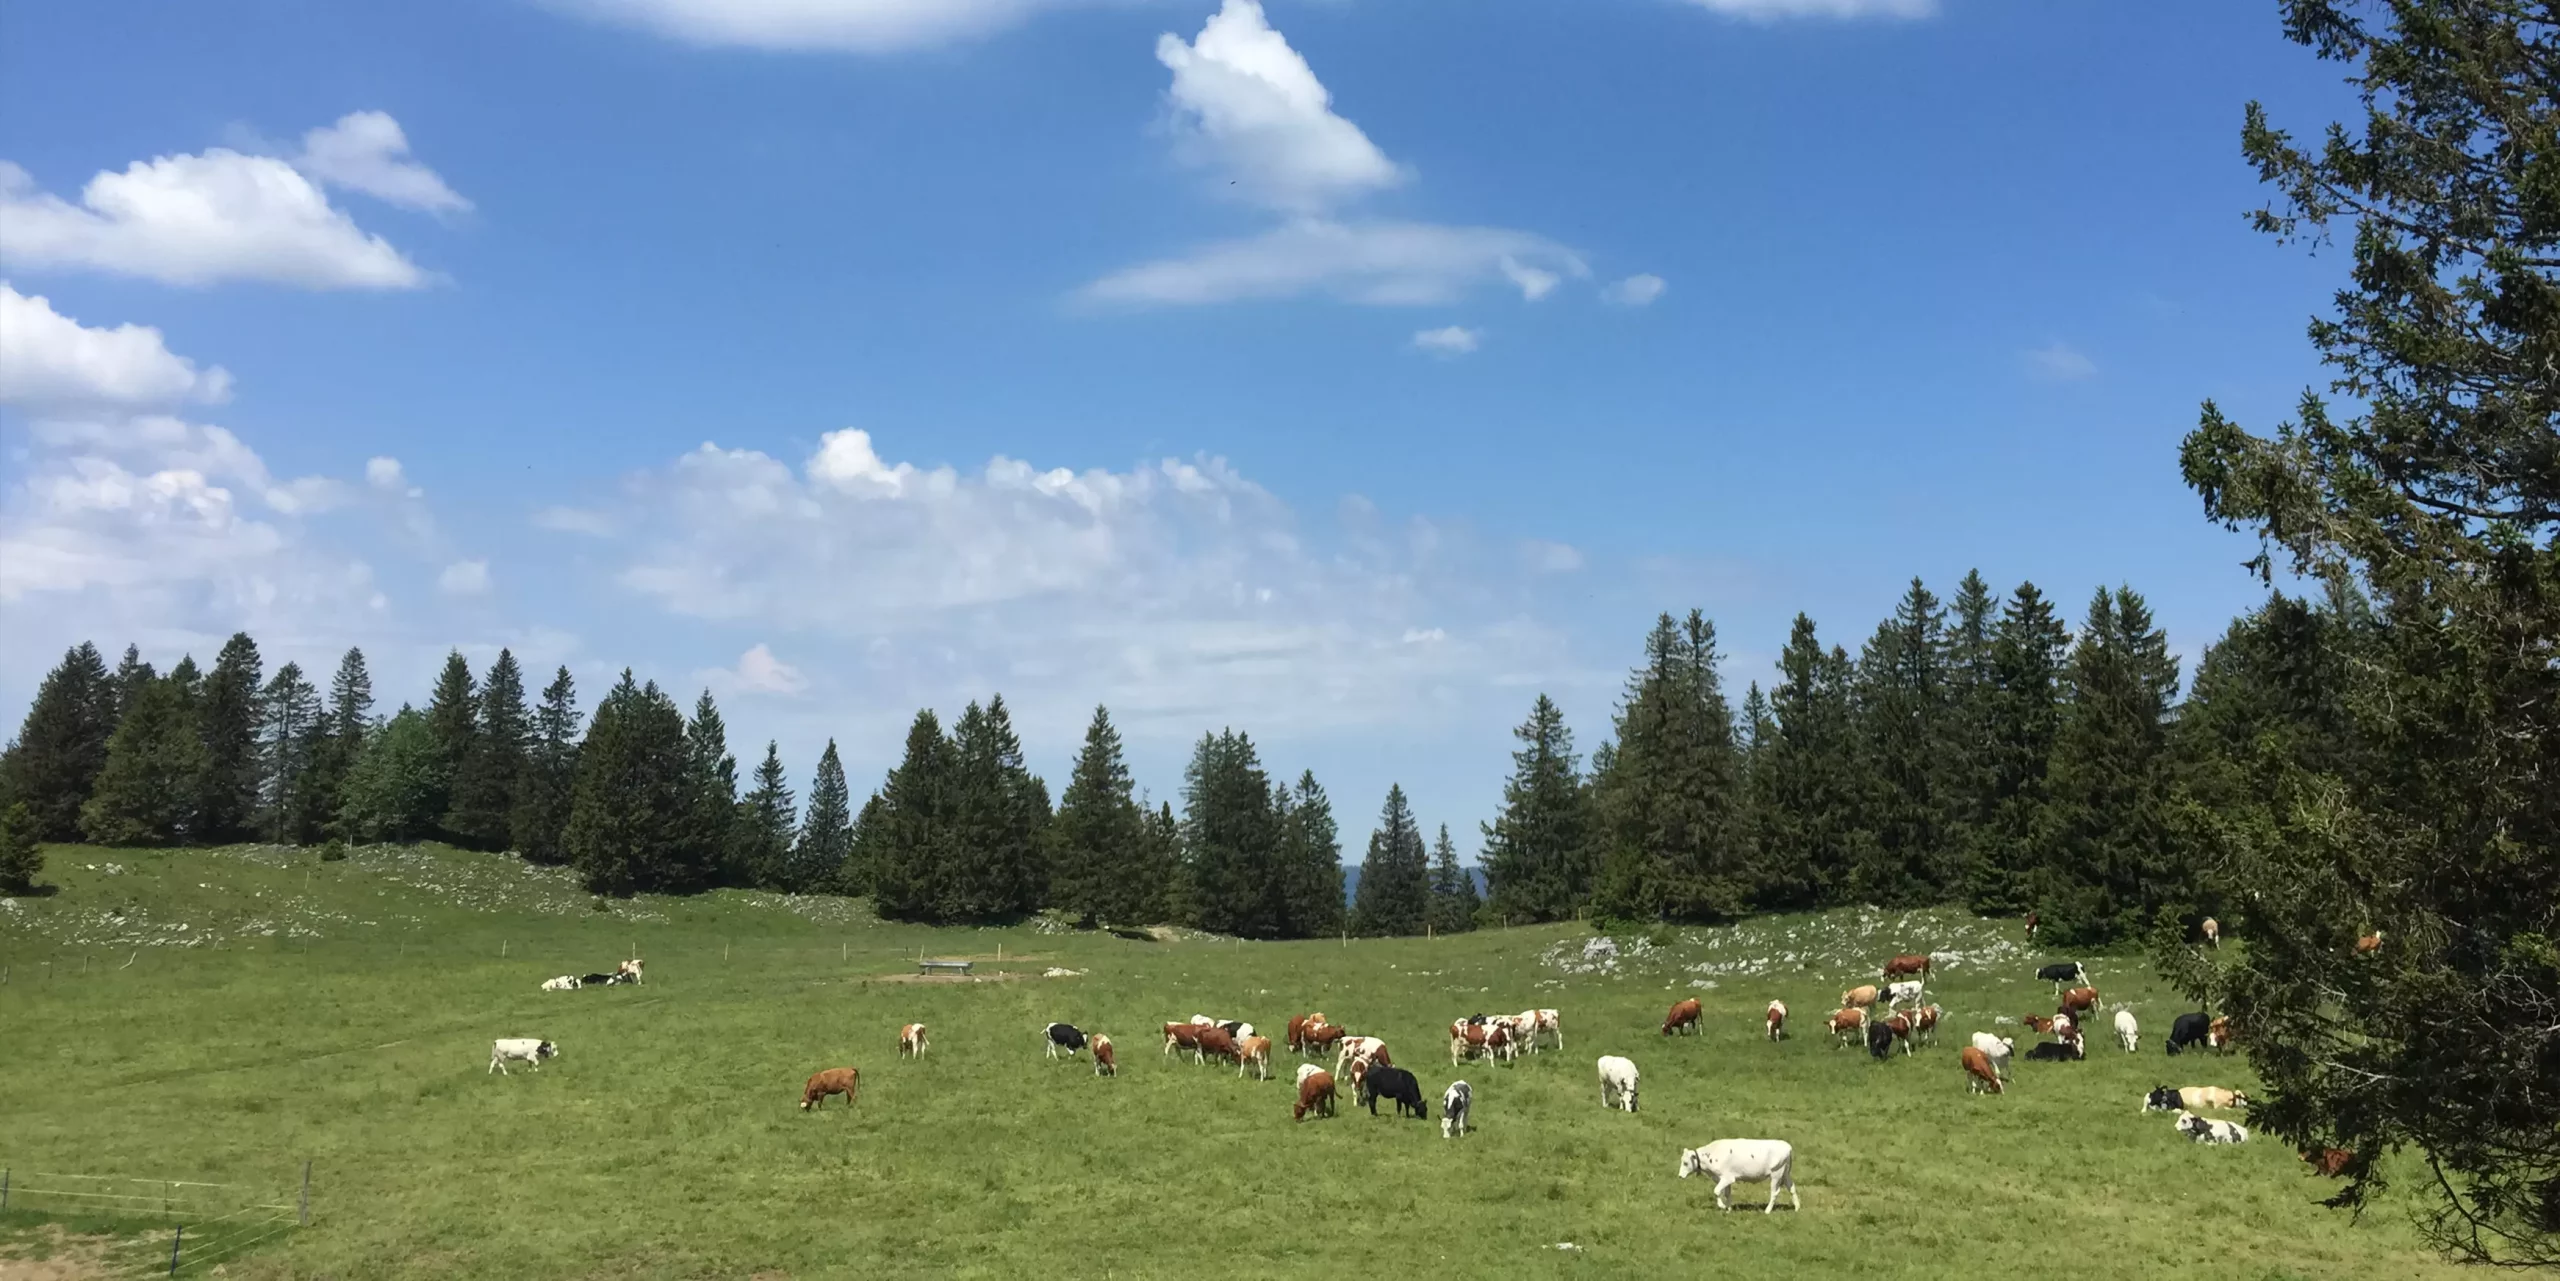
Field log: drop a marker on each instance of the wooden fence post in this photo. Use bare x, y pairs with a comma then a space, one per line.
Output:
306, 1192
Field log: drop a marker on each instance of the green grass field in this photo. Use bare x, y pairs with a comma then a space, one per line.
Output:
342, 1013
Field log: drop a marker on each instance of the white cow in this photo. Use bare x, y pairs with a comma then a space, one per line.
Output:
1617, 1076
1734, 1161
1906, 992
2207, 1130
564, 983
522, 1049
2128, 1032
1454, 1108
1997, 1049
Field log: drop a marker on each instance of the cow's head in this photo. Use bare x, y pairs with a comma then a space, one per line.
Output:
546, 1050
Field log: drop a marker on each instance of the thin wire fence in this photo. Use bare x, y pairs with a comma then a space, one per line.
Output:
200, 1224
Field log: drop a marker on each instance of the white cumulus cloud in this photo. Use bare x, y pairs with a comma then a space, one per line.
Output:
1246, 103
49, 359
367, 151
1382, 263
757, 672
1448, 340
1636, 291
464, 578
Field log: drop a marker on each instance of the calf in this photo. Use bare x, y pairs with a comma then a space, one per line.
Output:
1846, 1024
1185, 1035
1862, 996
2062, 972
1995, 1050
527, 1050
1924, 1025
1907, 992
1881, 1036
842, 1081
1215, 1043
2207, 1130
1777, 1020
1455, 1105
2128, 1032
2330, 1162
564, 983
911, 1040
1253, 1054
1064, 1040
1978, 1072
1105, 1063
2038, 1023
1315, 1092
1617, 1077
1916, 963
1683, 1015
1734, 1161
2189, 1029
1396, 1084
2054, 1052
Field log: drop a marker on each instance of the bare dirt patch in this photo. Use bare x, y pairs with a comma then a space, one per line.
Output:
54, 1253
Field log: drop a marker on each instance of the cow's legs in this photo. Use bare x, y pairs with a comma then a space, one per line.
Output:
1724, 1188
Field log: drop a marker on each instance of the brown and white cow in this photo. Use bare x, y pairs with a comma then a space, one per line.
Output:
2037, 1023
1501, 1042
1185, 1035
2212, 932
1105, 1063
1862, 996
1683, 1015
2079, 1001
1315, 1093
628, 971
1299, 1026
1321, 1038
1466, 1040
2217, 1034
1924, 1024
911, 1040
1356, 1049
1848, 1026
1216, 1043
1777, 1020
2330, 1162
1900, 1026
843, 1080
1910, 963
1550, 1023
1254, 1056
1977, 1071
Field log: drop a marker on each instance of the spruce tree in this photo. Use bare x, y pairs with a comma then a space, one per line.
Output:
2022, 716
826, 838
485, 787
768, 819
1310, 861
131, 674
1230, 837
1453, 889
858, 874
148, 792
708, 848
1101, 837
1165, 851
912, 852
634, 794
289, 720
453, 727
1902, 717
1394, 896
1811, 820
392, 792
1537, 850
999, 822
53, 764
546, 791
21, 852
227, 718
1964, 755
1670, 805
2112, 866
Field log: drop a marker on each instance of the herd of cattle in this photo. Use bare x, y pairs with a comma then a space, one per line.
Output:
1887, 1016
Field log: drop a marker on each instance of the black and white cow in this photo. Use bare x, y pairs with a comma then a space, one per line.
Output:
1397, 1084
1064, 1040
599, 980
2190, 1029
1454, 1108
2056, 1051
2163, 1099
2064, 972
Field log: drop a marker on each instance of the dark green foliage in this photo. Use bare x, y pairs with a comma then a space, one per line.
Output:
1164, 849
2022, 715
453, 727
997, 864
1902, 718
546, 791
710, 839
2111, 867
859, 873
337, 740
1310, 860
910, 844
148, 791
290, 731
1964, 748
1100, 875
392, 793
227, 717
825, 843
1394, 896
131, 673
767, 822
1810, 816
1537, 851
632, 804
1669, 803
21, 854
493, 766
1453, 890
53, 764
1231, 838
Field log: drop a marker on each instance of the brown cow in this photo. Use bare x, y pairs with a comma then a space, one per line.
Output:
1900, 1026
2037, 1023
1912, 963
1315, 1092
1924, 1023
2218, 1033
1254, 1056
2079, 1001
1216, 1043
1977, 1071
1777, 1020
1861, 996
1847, 1026
832, 1081
1685, 1014
2031, 927
1301, 1029
911, 1040
1186, 1035
1320, 1039
2330, 1162
1103, 1062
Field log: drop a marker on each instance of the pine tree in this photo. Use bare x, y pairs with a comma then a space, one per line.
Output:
391, 793
709, 845
227, 794
858, 874
1964, 754
1394, 896
53, 765
1537, 851
546, 792
1164, 852
633, 797
148, 791
453, 726
1902, 718
289, 719
1811, 822
2022, 716
1101, 837
999, 816
914, 848
1310, 861
1230, 837
1453, 889
1670, 805
767, 822
131, 674
485, 787
337, 743
826, 832
2110, 868
21, 854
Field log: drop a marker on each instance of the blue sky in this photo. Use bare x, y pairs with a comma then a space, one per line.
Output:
1342, 370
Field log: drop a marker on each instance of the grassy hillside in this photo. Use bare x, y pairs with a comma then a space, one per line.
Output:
225, 1015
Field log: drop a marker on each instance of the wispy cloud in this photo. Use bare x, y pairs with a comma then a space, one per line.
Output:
2059, 360
1448, 340
1636, 291
1378, 263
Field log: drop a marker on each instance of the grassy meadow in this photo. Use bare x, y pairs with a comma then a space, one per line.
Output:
225, 1015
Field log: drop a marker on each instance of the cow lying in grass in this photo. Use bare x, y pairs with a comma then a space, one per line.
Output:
2207, 1130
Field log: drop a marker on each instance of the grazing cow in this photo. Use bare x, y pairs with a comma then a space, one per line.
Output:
1359, 1048
2369, 944
1105, 1063
2217, 1034
564, 983
1685, 1014
527, 1050
1777, 1020
1456, 1104
1306, 1070
1997, 1050
1203, 1020
1907, 992
1924, 1025
2207, 1130
1916, 963
628, 971
1064, 1040
2079, 1001
1299, 1026
2128, 1032
1186, 1035
1253, 1054
1215, 1043
1396, 1084
844, 1081
1618, 1077
1734, 1161
2189, 1029
1862, 997
1315, 1092
1500, 1043
2054, 1052
1551, 1024
2062, 972
1978, 1072
1846, 1024
2038, 1023
2212, 933
600, 980
1881, 1036
2330, 1162
1320, 1039
911, 1040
